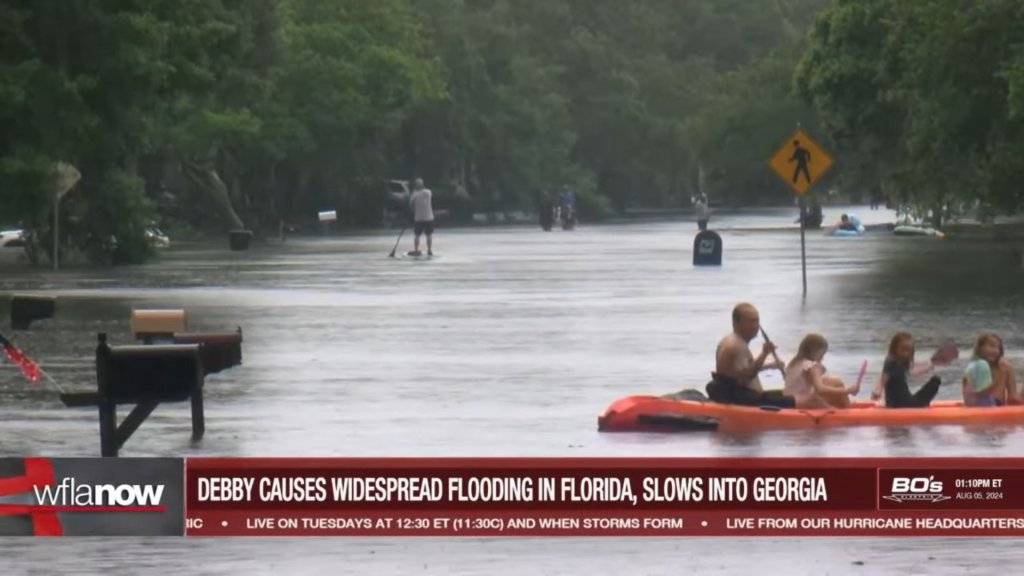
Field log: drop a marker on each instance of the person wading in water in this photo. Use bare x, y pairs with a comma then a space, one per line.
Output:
735, 379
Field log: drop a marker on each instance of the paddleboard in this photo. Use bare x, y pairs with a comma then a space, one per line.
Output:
419, 256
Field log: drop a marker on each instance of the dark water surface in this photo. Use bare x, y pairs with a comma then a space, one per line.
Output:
509, 344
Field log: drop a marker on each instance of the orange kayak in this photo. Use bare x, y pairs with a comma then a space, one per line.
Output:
658, 414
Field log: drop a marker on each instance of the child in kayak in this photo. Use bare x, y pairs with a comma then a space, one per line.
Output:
899, 364
1003, 378
807, 382
979, 382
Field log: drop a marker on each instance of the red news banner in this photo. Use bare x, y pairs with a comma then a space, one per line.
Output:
604, 497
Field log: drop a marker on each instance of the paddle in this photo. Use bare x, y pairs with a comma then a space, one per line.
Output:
774, 354
392, 255
946, 353
29, 369
860, 376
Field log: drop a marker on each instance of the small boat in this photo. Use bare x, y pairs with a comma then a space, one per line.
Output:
912, 230
666, 414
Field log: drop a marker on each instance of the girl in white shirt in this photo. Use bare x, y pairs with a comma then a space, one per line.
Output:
807, 382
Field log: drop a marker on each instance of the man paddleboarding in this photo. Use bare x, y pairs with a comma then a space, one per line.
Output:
421, 202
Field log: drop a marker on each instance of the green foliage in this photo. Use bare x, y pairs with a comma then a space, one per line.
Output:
119, 214
592, 206
925, 95
754, 111
23, 178
273, 109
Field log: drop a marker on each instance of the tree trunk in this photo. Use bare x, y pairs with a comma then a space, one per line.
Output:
205, 177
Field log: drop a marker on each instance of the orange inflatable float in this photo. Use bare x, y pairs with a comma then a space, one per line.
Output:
659, 414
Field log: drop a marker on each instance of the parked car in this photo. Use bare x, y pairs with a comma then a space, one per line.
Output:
156, 238
12, 238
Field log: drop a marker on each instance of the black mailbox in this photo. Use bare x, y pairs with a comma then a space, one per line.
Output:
707, 249
218, 350
144, 376
26, 309
239, 239
166, 373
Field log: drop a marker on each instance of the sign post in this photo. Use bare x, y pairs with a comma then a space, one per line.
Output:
65, 177
800, 162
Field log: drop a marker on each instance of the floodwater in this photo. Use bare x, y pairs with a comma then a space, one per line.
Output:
510, 343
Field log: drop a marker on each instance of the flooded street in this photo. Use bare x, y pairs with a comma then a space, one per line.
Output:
510, 343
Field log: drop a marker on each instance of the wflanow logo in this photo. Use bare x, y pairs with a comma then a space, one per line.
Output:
919, 489
72, 494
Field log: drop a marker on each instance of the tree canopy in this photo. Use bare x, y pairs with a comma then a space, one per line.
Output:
925, 97
222, 114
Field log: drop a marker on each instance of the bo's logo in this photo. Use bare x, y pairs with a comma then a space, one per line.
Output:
919, 485
916, 489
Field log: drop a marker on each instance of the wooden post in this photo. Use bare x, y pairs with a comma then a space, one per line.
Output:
107, 407
198, 419
108, 428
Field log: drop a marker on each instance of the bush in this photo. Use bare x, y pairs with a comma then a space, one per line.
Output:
592, 206
118, 214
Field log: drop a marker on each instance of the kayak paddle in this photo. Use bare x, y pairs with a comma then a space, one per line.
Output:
946, 353
863, 370
774, 354
29, 369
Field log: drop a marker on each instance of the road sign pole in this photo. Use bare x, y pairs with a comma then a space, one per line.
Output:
800, 162
803, 244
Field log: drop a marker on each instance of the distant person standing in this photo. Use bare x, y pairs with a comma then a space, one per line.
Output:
421, 201
876, 199
700, 206
567, 203
547, 211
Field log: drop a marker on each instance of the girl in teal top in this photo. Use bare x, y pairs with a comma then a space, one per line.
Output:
979, 385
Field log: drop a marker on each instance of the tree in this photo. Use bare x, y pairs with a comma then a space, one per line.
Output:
924, 94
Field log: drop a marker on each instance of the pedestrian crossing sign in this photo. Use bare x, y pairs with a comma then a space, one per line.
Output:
800, 162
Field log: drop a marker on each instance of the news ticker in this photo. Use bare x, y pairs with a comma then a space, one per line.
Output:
512, 497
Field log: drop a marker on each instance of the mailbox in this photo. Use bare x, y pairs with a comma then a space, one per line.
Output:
144, 376
707, 249
165, 373
218, 350
239, 239
149, 324
26, 309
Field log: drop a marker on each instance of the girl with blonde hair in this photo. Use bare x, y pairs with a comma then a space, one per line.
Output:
807, 382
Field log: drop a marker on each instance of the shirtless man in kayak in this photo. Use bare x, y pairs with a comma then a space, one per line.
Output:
735, 380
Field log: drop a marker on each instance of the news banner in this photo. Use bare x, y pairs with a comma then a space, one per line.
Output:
507, 497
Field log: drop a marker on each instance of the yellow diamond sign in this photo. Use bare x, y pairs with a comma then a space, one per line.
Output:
800, 162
